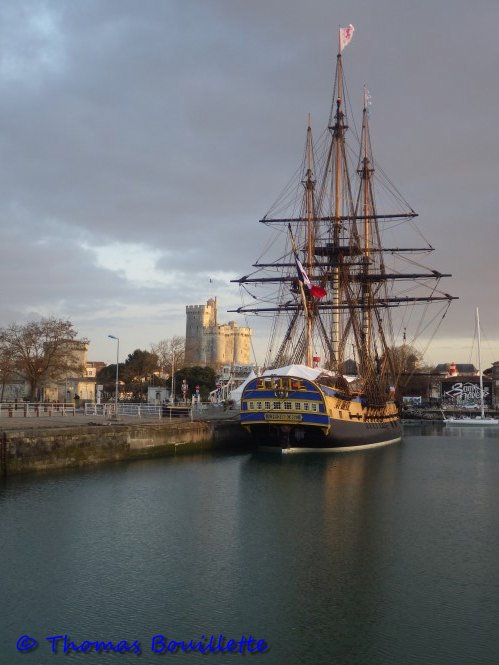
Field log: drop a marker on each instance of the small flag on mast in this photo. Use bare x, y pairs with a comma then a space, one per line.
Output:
346, 35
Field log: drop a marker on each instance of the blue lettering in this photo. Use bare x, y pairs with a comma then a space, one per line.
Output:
72, 647
187, 647
86, 646
242, 644
221, 643
251, 645
121, 647
172, 646
56, 639
104, 646
158, 644
261, 646
231, 645
211, 646
251, 640
135, 646
194, 646
205, 648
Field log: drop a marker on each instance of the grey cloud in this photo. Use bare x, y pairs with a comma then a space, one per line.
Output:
176, 124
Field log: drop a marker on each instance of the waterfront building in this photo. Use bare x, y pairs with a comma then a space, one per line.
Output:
93, 367
80, 380
451, 384
492, 373
212, 344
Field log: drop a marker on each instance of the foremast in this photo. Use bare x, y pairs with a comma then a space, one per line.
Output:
305, 350
309, 184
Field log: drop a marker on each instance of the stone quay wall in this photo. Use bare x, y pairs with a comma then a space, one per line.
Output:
41, 449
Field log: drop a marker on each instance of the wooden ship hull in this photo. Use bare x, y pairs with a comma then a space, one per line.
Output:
292, 414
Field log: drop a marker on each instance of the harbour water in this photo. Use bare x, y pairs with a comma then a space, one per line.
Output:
375, 557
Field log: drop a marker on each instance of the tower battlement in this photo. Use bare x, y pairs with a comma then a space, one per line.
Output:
210, 343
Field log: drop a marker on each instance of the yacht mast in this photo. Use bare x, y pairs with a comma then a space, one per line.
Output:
482, 407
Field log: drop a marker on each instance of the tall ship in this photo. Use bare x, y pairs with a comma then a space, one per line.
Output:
341, 294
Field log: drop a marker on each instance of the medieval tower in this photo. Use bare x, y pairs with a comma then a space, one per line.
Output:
212, 344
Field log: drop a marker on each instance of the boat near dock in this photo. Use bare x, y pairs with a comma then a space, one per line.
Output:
335, 286
479, 420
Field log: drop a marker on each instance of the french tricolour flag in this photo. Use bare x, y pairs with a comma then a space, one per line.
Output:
315, 291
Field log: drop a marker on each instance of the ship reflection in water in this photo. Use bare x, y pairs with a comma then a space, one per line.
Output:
378, 557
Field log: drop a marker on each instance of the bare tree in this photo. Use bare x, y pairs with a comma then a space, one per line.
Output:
405, 358
7, 368
45, 350
170, 353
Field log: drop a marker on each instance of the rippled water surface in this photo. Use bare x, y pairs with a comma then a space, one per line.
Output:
386, 556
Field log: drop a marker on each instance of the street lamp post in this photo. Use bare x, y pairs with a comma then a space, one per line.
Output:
172, 396
117, 372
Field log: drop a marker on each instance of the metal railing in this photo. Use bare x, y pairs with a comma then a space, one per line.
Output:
189, 411
36, 409
124, 409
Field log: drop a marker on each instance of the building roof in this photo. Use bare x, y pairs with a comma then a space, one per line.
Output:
467, 368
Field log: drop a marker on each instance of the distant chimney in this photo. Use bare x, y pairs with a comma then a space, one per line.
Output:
452, 369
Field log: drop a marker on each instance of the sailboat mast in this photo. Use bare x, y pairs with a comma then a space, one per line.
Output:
482, 407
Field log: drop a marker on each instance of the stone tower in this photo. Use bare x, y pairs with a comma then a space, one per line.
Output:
209, 343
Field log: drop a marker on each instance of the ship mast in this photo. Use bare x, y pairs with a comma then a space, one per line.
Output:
336, 205
365, 173
371, 274
339, 145
369, 241
309, 184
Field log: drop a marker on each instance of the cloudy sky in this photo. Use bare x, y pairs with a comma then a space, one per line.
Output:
141, 140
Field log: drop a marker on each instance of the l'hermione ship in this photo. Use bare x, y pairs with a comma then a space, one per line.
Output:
332, 294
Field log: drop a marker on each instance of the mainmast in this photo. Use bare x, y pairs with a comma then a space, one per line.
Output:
338, 201
339, 139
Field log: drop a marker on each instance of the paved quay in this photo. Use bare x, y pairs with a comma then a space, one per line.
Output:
46, 422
